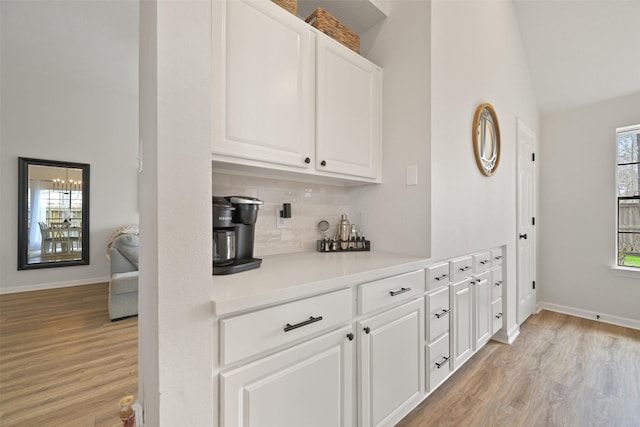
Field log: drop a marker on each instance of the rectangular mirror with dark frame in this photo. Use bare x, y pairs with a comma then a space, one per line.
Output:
53, 213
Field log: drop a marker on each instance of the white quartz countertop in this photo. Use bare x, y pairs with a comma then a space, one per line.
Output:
286, 277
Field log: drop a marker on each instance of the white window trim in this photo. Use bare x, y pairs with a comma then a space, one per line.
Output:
629, 272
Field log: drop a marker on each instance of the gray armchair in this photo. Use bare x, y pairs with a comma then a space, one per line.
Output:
123, 286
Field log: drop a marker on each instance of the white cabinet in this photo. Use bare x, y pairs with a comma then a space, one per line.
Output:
438, 361
348, 111
288, 98
496, 299
438, 311
438, 324
310, 384
249, 334
461, 268
263, 84
391, 364
461, 322
481, 309
390, 291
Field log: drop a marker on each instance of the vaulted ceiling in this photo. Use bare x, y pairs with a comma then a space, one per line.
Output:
580, 51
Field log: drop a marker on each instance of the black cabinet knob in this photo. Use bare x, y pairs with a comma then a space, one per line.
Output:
323, 163
367, 330
307, 160
350, 336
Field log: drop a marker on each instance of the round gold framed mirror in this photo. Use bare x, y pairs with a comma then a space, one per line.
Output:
486, 139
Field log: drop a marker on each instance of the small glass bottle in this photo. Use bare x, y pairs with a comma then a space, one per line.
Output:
127, 414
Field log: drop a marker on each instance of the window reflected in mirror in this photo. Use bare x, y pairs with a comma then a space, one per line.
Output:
53, 217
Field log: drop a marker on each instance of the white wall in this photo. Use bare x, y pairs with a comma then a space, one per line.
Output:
69, 92
176, 348
477, 57
578, 211
396, 217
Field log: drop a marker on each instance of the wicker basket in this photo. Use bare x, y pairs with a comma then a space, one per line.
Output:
328, 24
289, 5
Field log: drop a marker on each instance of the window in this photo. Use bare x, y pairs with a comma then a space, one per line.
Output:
628, 199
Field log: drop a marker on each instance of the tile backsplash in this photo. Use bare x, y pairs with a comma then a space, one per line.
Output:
310, 203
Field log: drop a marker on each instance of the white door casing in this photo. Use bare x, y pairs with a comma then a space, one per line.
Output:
526, 198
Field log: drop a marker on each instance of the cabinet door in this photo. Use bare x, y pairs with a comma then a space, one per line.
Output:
308, 385
496, 316
348, 111
263, 84
391, 364
438, 361
461, 328
482, 309
496, 283
438, 311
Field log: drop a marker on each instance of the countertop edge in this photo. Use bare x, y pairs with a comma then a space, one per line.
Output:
398, 264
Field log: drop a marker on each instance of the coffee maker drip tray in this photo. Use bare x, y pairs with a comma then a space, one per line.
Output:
237, 266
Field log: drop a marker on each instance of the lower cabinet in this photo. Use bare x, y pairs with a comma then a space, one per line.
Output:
438, 357
316, 362
481, 309
496, 299
391, 364
461, 322
311, 385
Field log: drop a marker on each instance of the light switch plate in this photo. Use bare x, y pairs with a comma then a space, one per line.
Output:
412, 175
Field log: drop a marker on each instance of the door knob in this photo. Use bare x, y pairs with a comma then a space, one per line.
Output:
523, 236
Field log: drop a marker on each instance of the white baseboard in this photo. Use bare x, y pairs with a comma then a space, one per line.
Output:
53, 285
598, 317
507, 337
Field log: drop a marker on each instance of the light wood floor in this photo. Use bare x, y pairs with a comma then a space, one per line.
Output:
562, 371
62, 361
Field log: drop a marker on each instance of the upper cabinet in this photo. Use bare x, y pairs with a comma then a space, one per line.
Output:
263, 87
347, 111
288, 98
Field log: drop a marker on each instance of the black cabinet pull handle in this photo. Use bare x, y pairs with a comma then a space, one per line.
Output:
367, 329
290, 327
400, 291
465, 268
350, 336
444, 312
498, 257
483, 262
444, 360
498, 283
499, 315
444, 276
307, 160
523, 236
323, 163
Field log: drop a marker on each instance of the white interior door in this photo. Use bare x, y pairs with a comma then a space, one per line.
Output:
526, 261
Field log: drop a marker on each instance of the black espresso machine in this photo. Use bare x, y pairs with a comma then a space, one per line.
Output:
234, 220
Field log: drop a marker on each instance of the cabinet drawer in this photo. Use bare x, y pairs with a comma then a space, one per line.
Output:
249, 334
438, 313
496, 316
497, 257
496, 283
437, 275
481, 262
439, 365
383, 293
461, 268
